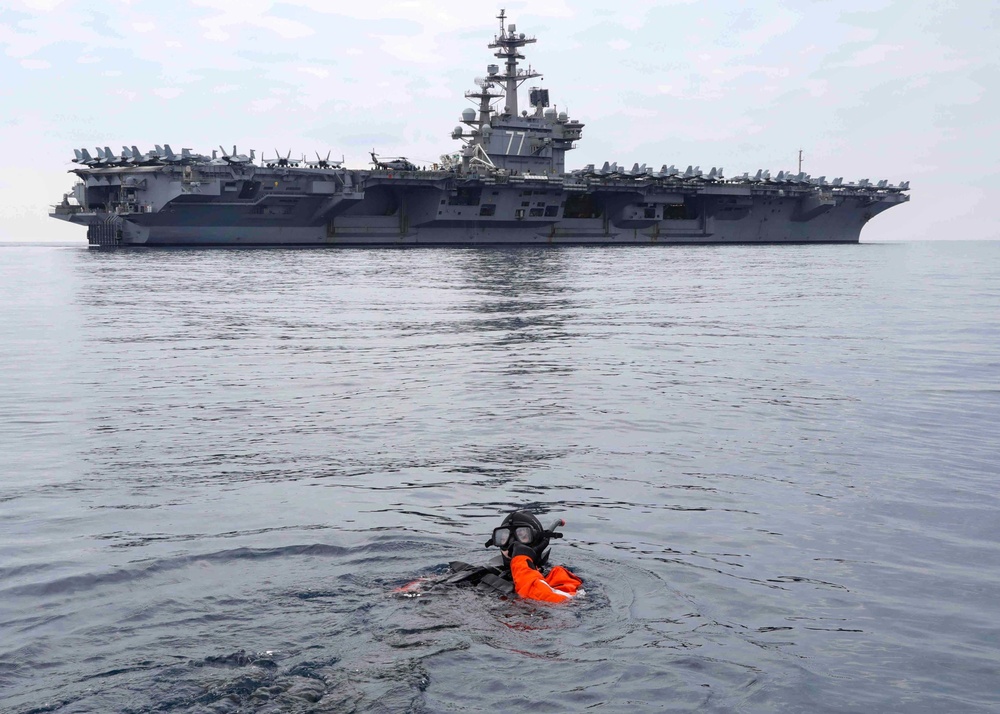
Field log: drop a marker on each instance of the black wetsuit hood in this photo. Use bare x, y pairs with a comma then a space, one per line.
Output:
541, 543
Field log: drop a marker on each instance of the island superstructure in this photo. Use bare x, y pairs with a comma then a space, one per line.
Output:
508, 184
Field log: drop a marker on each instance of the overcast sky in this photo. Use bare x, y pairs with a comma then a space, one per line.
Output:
867, 88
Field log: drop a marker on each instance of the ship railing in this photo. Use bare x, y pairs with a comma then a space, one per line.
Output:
127, 208
105, 233
63, 210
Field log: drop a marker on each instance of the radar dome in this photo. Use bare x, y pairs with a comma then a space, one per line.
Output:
563, 116
469, 114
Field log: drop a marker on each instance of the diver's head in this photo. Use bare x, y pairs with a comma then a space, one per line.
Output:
523, 527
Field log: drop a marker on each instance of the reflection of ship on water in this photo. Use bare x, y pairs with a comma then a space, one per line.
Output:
523, 303
510, 317
507, 185
516, 313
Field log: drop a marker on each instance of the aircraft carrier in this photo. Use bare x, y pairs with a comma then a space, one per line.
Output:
508, 184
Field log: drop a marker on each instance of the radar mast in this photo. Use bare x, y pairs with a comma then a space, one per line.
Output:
507, 44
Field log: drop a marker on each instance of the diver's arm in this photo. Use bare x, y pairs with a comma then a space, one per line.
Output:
528, 582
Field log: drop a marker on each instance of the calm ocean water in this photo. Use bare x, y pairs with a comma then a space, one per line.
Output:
778, 466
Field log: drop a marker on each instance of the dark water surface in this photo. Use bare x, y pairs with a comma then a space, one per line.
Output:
778, 466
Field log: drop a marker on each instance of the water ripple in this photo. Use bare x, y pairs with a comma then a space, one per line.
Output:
777, 464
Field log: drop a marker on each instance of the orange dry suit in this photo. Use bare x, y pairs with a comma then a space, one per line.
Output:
558, 586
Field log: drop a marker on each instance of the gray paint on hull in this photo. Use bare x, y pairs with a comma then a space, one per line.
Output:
765, 222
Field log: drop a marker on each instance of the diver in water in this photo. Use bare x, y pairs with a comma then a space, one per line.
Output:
524, 553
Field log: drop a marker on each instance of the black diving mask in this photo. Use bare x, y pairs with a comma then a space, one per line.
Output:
523, 527
504, 536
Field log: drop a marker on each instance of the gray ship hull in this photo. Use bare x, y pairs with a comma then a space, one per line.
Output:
221, 207
837, 229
